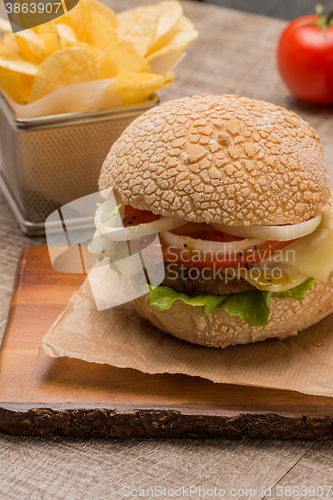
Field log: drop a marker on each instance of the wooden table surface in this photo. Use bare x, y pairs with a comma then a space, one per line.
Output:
234, 54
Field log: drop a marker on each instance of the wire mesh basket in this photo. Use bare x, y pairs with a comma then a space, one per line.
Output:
50, 161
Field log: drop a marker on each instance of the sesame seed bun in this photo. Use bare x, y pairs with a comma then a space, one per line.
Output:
223, 159
287, 317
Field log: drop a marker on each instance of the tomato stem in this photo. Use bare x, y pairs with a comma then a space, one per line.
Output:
323, 21
319, 9
329, 21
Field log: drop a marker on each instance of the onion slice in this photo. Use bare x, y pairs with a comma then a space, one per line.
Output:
114, 230
272, 233
212, 246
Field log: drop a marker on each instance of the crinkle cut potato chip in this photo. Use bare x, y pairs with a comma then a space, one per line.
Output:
32, 46
65, 67
49, 34
170, 13
73, 18
143, 26
68, 38
137, 87
90, 42
10, 44
10, 83
26, 86
92, 22
122, 57
17, 64
180, 37
99, 27
102, 10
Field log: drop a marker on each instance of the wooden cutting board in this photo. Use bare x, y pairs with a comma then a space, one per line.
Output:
46, 396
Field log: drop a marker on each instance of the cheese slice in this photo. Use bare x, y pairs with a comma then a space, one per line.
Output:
273, 276
308, 257
312, 255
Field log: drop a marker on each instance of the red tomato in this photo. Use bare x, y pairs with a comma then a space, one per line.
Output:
203, 231
134, 216
305, 59
242, 258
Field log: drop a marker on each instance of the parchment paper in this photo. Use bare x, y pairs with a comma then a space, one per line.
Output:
89, 96
119, 337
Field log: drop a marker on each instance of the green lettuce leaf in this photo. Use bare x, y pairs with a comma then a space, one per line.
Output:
162, 298
252, 307
298, 292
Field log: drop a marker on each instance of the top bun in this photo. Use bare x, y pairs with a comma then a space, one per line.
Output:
224, 159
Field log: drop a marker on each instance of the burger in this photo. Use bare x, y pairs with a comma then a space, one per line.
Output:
238, 192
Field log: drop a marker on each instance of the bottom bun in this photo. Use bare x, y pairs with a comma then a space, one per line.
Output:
288, 316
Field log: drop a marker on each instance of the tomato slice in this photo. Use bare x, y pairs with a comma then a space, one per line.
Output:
192, 257
134, 216
244, 258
